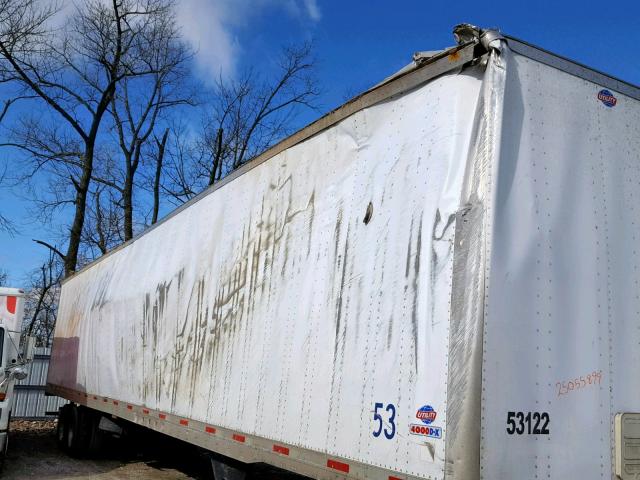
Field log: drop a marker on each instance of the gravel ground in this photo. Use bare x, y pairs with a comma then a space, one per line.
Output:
33, 453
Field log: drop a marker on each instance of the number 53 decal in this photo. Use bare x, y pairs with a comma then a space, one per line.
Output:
390, 429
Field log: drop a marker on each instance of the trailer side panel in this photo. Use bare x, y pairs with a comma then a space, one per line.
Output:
307, 301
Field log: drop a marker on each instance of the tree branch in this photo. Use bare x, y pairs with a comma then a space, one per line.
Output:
52, 248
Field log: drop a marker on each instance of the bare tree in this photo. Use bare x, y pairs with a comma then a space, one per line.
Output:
248, 116
186, 162
21, 29
41, 304
6, 225
76, 74
264, 113
142, 101
103, 229
3, 278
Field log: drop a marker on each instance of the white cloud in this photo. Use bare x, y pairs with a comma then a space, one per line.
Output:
313, 10
205, 26
210, 26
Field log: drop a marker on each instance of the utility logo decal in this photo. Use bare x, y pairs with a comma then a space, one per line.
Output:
606, 97
426, 414
433, 432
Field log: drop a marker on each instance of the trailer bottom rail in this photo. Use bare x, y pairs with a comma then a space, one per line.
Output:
244, 447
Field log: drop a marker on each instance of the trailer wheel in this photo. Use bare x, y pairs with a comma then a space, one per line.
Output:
5, 448
61, 429
76, 430
95, 436
72, 422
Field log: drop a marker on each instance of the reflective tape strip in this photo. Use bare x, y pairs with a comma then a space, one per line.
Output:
280, 449
293, 454
336, 465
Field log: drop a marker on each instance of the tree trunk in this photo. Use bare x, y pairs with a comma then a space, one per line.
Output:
127, 205
43, 292
156, 181
102, 241
217, 157
75, 234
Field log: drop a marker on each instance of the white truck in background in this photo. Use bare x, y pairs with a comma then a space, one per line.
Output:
15, 353
438, 280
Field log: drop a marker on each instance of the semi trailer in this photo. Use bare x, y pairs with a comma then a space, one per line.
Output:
437, 280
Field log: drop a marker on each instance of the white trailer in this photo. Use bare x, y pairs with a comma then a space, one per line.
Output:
12, 357
439, 279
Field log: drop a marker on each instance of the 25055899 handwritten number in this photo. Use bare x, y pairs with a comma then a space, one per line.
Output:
584, 381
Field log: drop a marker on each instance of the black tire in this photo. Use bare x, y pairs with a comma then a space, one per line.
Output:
80, 424
95, 436
5, 448
6, 442
61, 429
72, 434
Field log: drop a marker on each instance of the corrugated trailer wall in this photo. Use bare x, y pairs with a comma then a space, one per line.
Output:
307, 301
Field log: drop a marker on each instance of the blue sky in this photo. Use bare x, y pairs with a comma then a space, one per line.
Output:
358, 44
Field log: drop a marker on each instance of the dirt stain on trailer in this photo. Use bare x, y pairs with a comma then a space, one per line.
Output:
154, 312
438, 264
431, 449
102, 291
341, 265
185, 338
414, 307
208, 327
197, 339
412, 276
341, 280
263, 253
